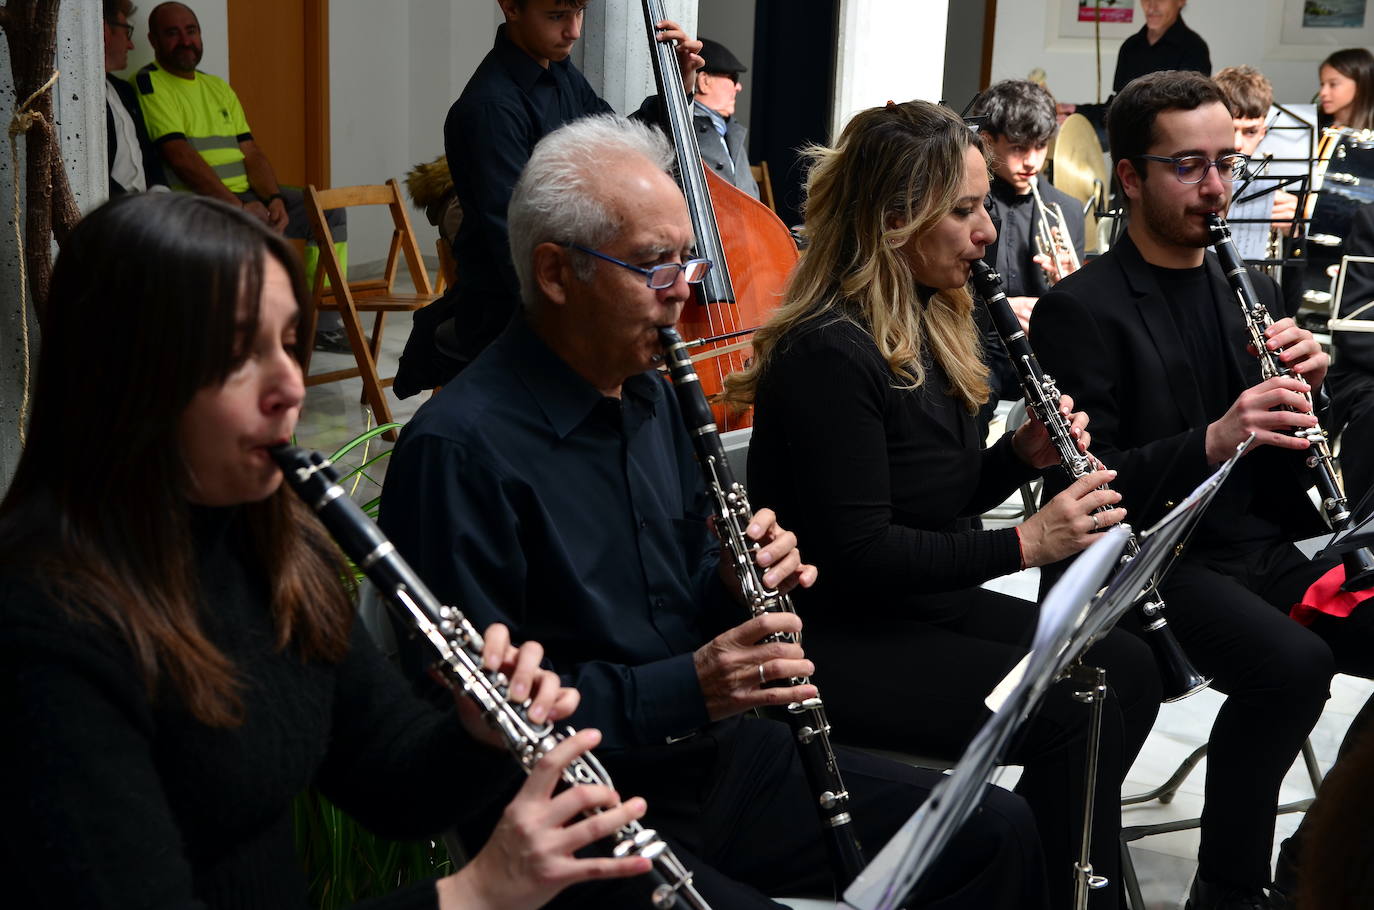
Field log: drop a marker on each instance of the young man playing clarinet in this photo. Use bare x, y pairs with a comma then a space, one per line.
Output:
1147, 339
553, 483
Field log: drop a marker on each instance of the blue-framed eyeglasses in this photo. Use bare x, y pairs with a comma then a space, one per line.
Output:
1193, 168
660, 276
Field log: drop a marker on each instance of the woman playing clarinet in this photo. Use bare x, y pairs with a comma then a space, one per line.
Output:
179, 652
866, 383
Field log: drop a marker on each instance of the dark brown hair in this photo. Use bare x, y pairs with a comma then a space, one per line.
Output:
113, 8
141, 315
1356, 64
1248, 93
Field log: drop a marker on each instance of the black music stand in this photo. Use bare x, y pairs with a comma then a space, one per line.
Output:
1072, 616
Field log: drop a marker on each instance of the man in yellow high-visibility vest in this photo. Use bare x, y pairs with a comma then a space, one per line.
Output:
198, 125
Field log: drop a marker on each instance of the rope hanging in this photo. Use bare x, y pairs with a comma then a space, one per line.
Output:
23, 121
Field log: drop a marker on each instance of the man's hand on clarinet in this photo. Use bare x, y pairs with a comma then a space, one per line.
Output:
1270, 410
777, 557
734, 666
1302, 353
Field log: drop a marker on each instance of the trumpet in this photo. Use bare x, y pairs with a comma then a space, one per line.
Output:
1052, 233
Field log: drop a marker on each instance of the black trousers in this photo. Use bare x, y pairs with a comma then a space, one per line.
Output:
734, 805
1231, 618
929, 699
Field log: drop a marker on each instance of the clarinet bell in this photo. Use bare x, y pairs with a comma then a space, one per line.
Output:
1177, 675
1359, 570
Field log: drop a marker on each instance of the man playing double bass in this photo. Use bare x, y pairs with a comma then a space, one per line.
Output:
525, 88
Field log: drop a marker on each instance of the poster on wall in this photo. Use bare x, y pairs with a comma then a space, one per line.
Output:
1106, 10
1078, 19
1320, 26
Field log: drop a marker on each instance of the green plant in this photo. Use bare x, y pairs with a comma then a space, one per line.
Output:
345, 863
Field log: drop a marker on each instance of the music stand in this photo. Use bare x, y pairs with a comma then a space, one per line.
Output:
1072, 616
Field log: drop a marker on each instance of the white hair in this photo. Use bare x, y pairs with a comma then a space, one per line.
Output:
554, 200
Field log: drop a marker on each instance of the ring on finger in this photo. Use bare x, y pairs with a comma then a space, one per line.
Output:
1096, 526
763, 679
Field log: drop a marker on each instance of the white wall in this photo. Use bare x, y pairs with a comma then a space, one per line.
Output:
1237, 31
394, 70
890, 50
731, 22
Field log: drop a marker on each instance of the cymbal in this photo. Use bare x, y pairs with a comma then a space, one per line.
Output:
1079, 168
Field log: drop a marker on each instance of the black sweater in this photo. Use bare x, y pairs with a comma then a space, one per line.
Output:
113, 800
878, 482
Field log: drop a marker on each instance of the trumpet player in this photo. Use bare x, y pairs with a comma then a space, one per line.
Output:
1040, 228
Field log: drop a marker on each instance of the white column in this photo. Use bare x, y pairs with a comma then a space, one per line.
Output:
890, 50
613, 52
79, 112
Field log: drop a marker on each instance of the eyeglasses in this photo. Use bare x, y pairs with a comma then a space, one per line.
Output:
660, 276
124, 27
1193, 168
733, 77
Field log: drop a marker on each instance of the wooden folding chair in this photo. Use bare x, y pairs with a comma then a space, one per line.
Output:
375, 295
765, 182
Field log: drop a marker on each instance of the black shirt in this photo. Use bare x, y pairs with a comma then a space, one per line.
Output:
1179, 48
509, 104
524, 496
1230, 526
878, 481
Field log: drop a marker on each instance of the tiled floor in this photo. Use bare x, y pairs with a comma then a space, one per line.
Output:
1164, 863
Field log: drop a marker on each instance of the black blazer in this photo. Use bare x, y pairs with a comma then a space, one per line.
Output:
1106, 335
152, 161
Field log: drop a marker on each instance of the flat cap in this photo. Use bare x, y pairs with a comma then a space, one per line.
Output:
719, 59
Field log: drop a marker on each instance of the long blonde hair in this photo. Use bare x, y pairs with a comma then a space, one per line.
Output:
895, 173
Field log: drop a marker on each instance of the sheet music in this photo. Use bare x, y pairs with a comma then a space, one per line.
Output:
1251, 235
1070, 619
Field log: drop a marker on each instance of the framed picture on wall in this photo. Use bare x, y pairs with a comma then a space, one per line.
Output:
1311, 29
1079, 18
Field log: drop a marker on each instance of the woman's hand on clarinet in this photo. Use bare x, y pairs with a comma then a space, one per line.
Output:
549, 699
1067, 522
733, 667
688, 51
529, 857
1032, 442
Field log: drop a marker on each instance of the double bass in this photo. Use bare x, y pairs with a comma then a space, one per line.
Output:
752, 249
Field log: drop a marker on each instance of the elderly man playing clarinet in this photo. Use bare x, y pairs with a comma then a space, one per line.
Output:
553, 485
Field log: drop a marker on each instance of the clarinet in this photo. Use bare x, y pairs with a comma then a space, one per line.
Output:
1359, 564
1179, 676
807, 719
458, 657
